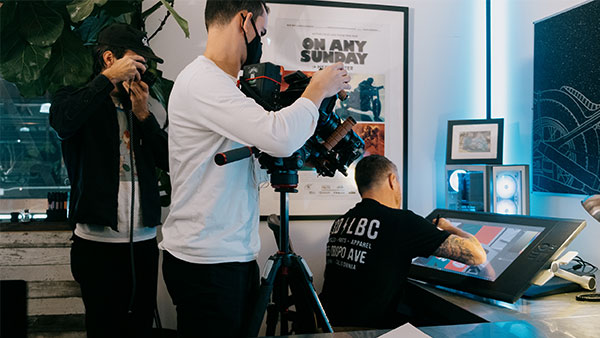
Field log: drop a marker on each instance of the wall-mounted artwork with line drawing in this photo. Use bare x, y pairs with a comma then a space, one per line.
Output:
566, 112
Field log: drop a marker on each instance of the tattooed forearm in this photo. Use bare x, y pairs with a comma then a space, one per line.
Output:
463, 250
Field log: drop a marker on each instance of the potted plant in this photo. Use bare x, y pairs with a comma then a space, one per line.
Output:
45, 45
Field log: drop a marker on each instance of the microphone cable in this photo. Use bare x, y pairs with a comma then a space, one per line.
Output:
132, 206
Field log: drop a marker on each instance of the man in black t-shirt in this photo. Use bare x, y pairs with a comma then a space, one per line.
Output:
371, 247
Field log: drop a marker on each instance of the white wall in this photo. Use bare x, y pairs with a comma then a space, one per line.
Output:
512, 98
446, 81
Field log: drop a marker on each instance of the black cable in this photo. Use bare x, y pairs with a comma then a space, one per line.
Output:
157, 318
583, 265
131, 220
588, 264
588, 297
132, 163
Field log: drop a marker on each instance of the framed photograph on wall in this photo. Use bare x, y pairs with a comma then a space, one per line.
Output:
372, 42
475, 141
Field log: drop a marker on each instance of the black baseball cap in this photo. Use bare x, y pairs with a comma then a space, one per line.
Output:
124, 36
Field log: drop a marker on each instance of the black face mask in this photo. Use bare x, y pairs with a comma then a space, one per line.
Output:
254, 48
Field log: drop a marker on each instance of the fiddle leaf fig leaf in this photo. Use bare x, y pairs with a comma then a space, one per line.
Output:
71, 62
11, 42
7, 14
42, 25
161, 90
90, 28
33, 89
25, 63
180, 21
119, 7
81, 9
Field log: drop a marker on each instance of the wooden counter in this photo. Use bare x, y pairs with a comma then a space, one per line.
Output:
39, 253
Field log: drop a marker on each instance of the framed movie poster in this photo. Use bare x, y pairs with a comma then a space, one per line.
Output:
371, 41
475, 141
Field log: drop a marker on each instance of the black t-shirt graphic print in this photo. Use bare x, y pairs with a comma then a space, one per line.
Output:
369, 252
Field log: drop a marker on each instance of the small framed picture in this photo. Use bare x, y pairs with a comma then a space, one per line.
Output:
475, 141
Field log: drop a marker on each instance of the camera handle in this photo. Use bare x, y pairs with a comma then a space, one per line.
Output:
235, 155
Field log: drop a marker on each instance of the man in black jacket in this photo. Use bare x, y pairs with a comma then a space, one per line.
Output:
114, 256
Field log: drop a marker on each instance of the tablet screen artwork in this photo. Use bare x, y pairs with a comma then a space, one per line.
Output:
503, 243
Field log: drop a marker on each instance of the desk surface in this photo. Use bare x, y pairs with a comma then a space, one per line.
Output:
558, 315
561, 305
585, 326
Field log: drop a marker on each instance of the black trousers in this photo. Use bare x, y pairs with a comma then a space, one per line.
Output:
212, 300
103, 271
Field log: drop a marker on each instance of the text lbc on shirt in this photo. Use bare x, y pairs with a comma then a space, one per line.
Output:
369, 253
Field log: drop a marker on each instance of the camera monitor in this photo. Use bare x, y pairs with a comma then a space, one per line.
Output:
517, 248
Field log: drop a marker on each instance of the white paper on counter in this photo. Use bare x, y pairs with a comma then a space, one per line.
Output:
405, 331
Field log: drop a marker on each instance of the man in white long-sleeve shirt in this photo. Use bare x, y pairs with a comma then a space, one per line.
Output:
210, 238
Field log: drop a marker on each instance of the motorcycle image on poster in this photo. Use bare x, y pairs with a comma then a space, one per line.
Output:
365, 99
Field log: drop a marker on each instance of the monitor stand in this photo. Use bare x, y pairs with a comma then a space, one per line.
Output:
552, 287
556, 280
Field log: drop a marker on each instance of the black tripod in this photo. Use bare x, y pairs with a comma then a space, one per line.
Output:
286, 269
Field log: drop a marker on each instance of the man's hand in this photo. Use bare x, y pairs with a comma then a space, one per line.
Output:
444, 224
461, 246
138, 93
125, 69
465, 250
327, 82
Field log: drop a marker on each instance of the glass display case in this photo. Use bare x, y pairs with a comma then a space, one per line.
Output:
30, 155
502, 189
467, 187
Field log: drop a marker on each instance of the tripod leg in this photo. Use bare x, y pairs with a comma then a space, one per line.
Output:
306, 278
266, 287
277, 312
272, 319
304, 316
281, 299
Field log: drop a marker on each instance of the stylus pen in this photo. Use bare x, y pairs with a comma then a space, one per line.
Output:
437, 219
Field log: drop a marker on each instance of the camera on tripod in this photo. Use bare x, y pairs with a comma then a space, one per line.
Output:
333, 146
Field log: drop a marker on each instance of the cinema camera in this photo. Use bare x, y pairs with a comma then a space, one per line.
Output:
333, 146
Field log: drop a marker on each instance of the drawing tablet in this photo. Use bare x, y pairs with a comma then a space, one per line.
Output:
517, 248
